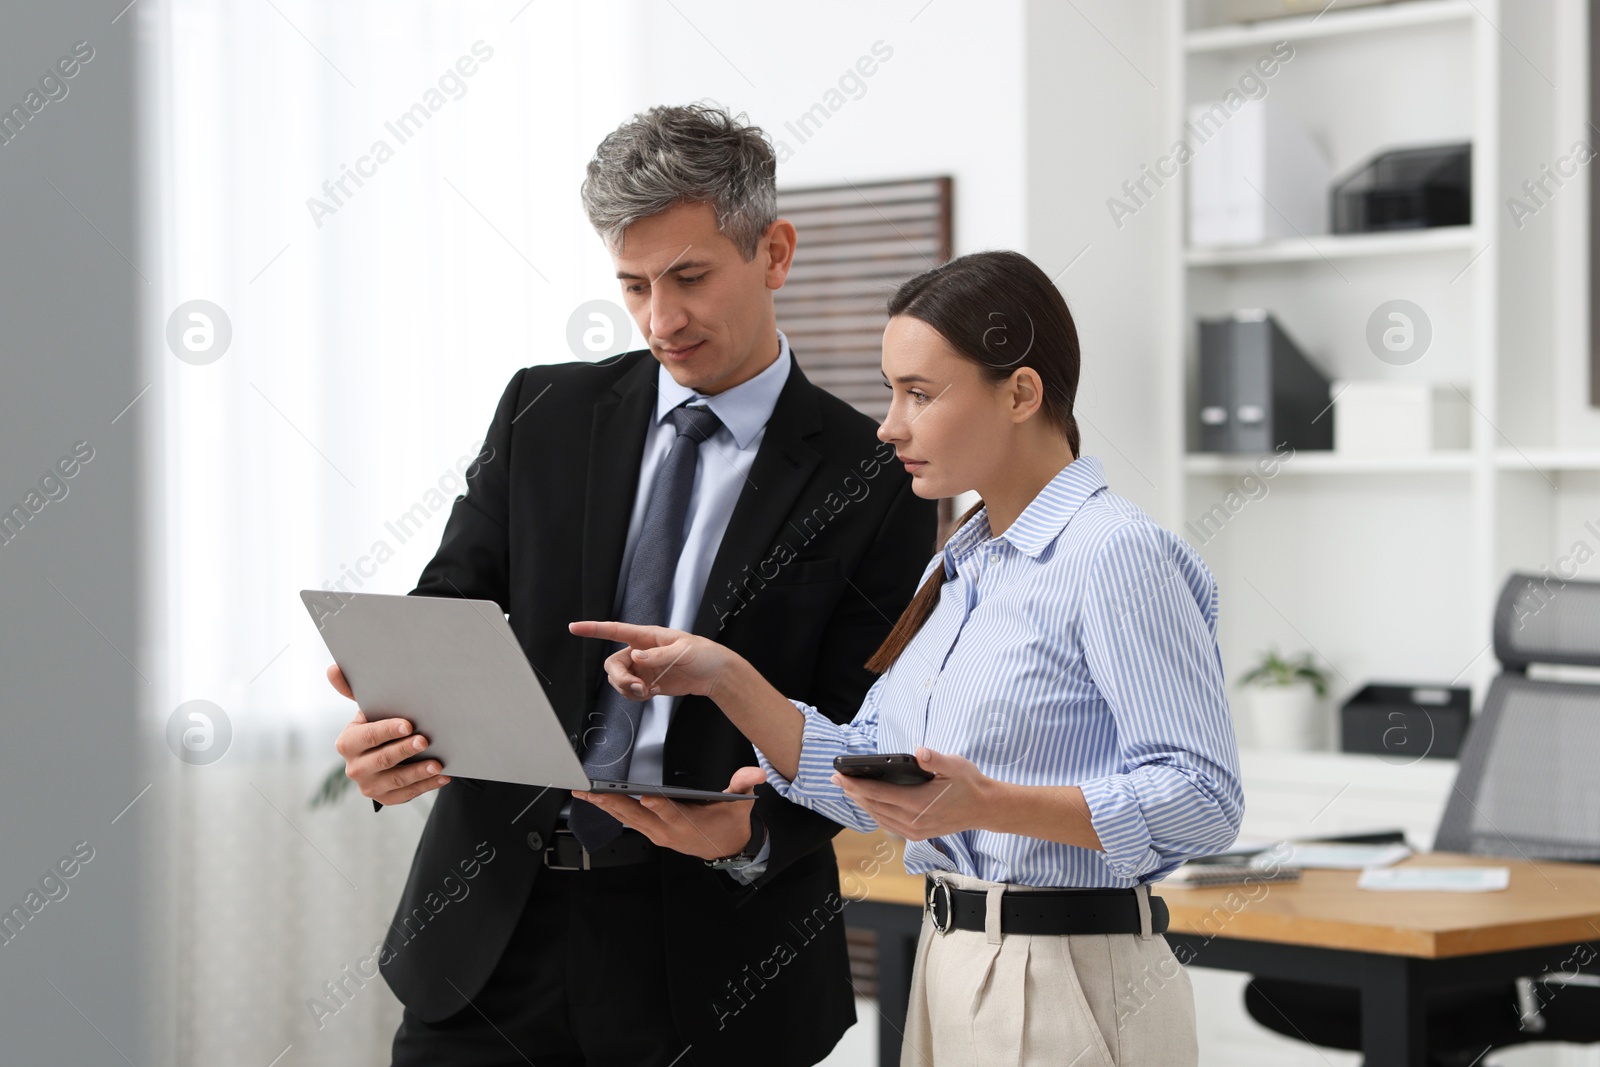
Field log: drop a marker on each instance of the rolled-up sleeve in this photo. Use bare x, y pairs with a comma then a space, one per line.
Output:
822, 741
1150, 642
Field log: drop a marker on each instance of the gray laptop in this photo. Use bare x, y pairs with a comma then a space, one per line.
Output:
454, 669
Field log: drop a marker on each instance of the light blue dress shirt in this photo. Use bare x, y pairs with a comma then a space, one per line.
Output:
1079, 647
721, 472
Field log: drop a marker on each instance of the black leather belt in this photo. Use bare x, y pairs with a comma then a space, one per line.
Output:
1044, 911
631, 847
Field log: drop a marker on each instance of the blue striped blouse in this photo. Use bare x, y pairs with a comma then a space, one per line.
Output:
1079, 647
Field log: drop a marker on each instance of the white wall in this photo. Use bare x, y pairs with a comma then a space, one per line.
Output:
1097, 84
947, 100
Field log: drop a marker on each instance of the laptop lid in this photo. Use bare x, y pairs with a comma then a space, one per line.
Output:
454, 669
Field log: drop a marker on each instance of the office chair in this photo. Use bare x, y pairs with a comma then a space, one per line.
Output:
1527, 788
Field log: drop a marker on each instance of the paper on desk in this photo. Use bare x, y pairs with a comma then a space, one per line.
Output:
1241, 851
1437, 879
1332, 856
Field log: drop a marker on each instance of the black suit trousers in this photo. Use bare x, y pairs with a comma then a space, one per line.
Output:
582, 982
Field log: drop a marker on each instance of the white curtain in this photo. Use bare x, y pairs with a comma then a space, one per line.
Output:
382, 199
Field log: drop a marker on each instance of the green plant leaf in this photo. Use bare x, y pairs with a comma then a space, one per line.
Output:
333, 786
1273, 669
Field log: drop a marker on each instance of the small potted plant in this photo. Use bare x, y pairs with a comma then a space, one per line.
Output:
1280, 695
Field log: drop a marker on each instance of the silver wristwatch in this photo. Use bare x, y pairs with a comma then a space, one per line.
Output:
752, 848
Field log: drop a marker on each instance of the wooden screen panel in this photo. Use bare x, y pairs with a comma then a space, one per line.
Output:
858, 244
862, 945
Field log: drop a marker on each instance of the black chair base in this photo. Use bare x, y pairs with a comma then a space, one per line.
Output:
1461, 1023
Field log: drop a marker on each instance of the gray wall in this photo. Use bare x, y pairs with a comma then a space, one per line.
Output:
69, 574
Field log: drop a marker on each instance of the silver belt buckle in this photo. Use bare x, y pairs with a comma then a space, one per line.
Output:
939, 884
549, 862
550, 852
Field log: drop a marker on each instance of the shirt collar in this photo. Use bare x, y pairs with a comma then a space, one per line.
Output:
744, 409
1040, 523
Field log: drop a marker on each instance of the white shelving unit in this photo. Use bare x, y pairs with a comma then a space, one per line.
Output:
1387, 566
1549, 459
1313, 27
1235, 466
1336, 246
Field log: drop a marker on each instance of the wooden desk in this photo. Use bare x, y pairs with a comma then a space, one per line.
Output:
1393, 947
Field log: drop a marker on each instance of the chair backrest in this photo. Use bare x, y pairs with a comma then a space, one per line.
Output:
1529, 778
1540, 618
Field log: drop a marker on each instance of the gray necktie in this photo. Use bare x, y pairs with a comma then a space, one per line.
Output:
607, 742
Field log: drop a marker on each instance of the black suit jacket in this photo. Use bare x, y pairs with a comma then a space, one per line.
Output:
822, 552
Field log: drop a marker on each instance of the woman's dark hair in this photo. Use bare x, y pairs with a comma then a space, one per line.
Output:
1001, 311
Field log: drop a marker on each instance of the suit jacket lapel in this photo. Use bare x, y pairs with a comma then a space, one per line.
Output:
782, 466
616, 445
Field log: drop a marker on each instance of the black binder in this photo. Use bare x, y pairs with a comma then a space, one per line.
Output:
1407, 189
1258, 391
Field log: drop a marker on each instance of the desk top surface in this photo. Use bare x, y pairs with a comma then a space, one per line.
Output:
1546, 904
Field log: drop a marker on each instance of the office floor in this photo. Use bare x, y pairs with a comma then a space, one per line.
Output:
1224, 1029
859, 1046
1230, 1038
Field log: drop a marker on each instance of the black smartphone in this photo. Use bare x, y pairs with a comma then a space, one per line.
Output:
896, 768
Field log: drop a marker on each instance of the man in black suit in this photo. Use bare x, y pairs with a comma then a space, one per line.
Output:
519, 937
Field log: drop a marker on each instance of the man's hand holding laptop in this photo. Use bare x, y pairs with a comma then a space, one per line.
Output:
372, 753
708, 831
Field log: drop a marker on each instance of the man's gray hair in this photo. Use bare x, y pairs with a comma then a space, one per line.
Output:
677, 155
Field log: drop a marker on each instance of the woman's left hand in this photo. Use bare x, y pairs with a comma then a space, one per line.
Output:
959, 798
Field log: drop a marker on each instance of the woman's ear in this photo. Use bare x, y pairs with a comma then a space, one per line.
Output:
1027, 393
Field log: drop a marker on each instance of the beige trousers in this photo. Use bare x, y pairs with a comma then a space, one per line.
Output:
981, 999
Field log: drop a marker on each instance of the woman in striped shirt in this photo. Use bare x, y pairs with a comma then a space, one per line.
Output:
1058, 675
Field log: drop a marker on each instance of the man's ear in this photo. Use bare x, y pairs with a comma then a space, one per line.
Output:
777, 244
